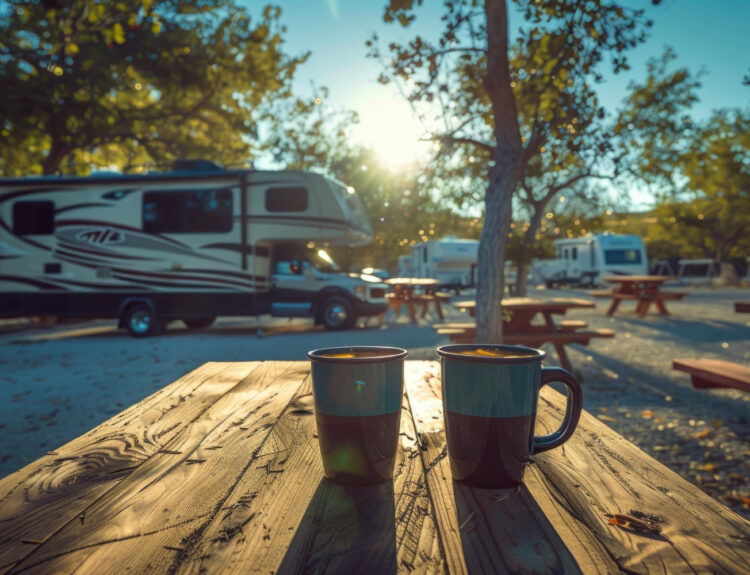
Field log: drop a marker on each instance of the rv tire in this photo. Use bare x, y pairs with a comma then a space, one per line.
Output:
337, 313
199, 322
141, 320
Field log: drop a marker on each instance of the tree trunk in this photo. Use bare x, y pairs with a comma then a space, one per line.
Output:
504, 175
490, 281
51, 163
522, 281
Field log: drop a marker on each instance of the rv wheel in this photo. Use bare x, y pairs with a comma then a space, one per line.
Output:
336, 313
142, 321
199, 322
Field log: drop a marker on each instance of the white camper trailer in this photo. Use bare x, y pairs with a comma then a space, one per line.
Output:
451, 261
189, 245
405, 268
588, 259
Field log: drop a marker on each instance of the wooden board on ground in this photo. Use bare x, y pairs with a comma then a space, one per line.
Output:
715, 373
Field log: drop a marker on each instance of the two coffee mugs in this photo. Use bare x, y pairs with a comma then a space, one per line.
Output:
490, 395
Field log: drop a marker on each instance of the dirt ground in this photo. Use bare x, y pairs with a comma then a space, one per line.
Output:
59, 382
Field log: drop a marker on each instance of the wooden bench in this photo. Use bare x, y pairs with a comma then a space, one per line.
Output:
562, 336
571, 325
742, 306
715, 373
601, 293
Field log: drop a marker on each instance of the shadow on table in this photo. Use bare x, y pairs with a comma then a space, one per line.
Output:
345, 530
505, 530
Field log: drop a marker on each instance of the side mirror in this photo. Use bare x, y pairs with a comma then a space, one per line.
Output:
294, 267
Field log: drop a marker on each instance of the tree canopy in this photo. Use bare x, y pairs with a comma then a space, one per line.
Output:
134, 82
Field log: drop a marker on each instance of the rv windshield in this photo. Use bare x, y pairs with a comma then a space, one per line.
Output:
322, 261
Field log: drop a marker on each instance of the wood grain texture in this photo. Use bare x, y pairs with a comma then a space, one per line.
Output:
557, 521
709, 373
284, 517
148, 521
53, 491
221, 472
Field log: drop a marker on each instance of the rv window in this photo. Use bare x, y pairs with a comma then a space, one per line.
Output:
566, 253
575, 253
33, 218
286, 199
612, 257
424, 254
187, 212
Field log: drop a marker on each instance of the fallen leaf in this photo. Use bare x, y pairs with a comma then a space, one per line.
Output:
606, 417
647, 414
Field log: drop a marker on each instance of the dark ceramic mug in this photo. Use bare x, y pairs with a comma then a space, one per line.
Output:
489, 406
357, 393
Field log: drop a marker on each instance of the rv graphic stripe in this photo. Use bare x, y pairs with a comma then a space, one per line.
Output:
100, 286
82, 206
175, 284
109, 254
248, 250
24, 238
94, 223
29, 281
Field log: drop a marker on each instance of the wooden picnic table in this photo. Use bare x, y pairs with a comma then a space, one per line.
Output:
519, 328
404, 294
742, 306
645, 290
220, 472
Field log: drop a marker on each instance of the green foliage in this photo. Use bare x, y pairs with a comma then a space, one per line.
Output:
654, 124
306, 133
528, 115
134, 81
710, 217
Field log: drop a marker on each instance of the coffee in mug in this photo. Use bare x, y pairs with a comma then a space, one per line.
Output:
357, 393
490, 395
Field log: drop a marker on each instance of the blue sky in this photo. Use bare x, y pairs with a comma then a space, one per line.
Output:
706, 34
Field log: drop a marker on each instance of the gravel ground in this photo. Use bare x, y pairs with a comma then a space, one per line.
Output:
59, 382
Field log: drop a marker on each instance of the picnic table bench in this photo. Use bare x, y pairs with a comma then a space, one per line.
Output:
742, 306
220, 472
714, 373
404, 295
645, 290
519, 329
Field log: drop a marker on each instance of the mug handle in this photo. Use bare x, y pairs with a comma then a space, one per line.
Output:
572, 410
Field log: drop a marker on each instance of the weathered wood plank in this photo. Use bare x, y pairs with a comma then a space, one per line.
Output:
560, 512
149, 521
39, 499
291, 520
710, 373
599, 472
482, 530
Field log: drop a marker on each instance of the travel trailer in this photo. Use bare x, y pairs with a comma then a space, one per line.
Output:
405, 268
697, 271
188, 245
588, 259
450, 260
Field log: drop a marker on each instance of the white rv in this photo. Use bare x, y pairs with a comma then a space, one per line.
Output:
405, 268
450, 260
189, 245
588, 259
